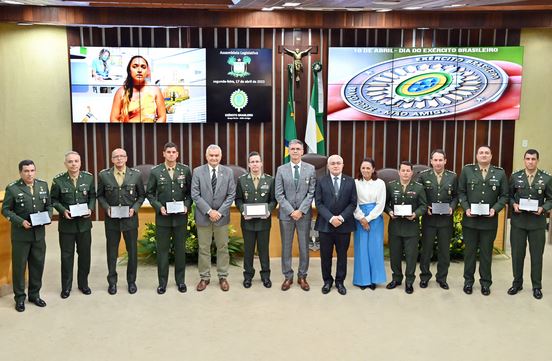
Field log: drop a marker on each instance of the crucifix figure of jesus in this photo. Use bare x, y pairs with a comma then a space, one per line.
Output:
297, 63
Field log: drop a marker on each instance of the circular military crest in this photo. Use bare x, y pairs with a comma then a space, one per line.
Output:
238, 99
425, 86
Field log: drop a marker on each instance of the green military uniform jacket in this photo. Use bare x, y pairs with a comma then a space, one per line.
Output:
446, 192
162, 189
131, 193
18, 205
493, 190
413, 195
246, 193
541, 190
64, 194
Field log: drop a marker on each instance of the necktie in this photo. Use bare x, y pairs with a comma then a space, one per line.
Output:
404, 187
171, 172
214, 180
120, 177
336, 185
439, 177
74, 180
256, 182
484, 172
31, 188
530, 178
296, 175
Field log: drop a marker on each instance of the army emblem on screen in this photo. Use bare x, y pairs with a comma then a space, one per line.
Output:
425, 86
239, 99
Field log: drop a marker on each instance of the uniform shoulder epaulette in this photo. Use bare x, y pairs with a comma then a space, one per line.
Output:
470, 165
497, 167
426, 170
545, 172
105, 170
86, 172
393, 181
158, 166
518, 171
135, 170
450, 171
40, 180
243, 175
12, 183
59, 175
418, 183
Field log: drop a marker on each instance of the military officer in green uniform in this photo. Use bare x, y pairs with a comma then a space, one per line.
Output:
256, 187
24, 197
440, 187
168, 191
404, 229
121, 186
74, 187
480, 186
531, 199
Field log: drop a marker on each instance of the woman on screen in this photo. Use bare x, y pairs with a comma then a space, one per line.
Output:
136, 101
100, 65
369, 267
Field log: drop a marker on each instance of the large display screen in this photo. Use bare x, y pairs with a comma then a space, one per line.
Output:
239, 85
138, 85
467, 83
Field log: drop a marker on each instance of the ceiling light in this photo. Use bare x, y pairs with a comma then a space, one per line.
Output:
267, 9
454, 6
386, 2
289, 4
383, 10
11, 2
413, 8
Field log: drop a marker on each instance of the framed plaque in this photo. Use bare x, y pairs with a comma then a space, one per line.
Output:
440, 208
40, 218
120, 212
479, 209
255, 210
79, 210
402, 210
530, 205
175, 207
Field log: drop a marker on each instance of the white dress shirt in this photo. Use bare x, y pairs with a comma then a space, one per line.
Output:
370, 191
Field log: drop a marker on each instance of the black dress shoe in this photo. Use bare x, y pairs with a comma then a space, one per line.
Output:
65, 293
537, 293
20, 306
182, 288
267, 283
408, 288
392, 285
513, 290
443, 284
38, 301
372, 286
85, 290
468, 289
326, 288
485, 291
363, 287
423, 284
161, 289
112, 289
341, 289
247, 283
132, 289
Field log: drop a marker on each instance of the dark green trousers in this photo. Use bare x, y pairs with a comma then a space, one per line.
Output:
164, 235
261, 239
408, 245
482, 240
67, 243
113, 238
518, 240
443, 235
33, 254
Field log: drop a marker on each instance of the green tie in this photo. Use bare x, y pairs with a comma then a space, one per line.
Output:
296, 175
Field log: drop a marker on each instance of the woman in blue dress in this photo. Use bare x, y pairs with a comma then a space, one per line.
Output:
369, 263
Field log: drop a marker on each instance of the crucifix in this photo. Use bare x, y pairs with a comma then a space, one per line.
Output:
297, 55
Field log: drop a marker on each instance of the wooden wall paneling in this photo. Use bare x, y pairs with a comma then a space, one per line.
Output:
404, 141
457, 154
482, 132
395, 37
161, 138
110, 36
125, 35
333, 127
128, 144
414, 141
440, 37
436, 141
507, 143
514, 37
454, 37
266, 131
114, 133
423, 145
470, 144
379, 143
392, 143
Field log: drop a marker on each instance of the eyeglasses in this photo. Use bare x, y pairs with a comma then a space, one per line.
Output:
118, 156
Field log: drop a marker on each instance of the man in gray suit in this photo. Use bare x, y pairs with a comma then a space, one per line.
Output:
213, 191
295, 184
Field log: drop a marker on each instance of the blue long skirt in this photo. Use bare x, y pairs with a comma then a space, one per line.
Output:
369, 264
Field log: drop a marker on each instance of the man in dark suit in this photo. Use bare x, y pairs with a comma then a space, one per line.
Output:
529, 185
74, 187
440, 186
295, 185
255, 187
480, 185
121, 186
24, 197
168, 191
336, 201
213, 191
406, 203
